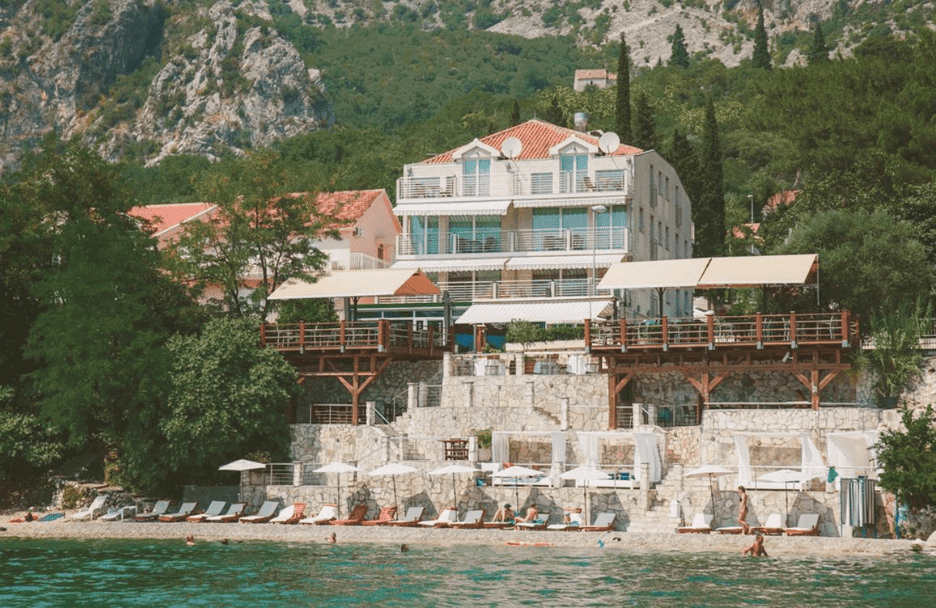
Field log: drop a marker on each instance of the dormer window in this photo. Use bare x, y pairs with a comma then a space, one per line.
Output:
476, 176
573, 173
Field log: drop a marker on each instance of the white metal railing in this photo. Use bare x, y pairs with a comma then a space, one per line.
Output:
515, 241
362, 261
514, 183
471, 291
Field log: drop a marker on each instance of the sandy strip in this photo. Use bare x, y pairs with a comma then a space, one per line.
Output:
618, 541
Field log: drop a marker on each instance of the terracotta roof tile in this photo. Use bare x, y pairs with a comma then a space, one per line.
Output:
347, 204
163, 217
537, 137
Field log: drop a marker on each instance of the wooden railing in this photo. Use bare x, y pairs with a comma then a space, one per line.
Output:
381, 335
758, 330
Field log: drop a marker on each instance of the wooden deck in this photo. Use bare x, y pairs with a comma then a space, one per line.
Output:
362, 337
724, 333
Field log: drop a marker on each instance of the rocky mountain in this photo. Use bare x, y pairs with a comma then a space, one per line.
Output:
152, 78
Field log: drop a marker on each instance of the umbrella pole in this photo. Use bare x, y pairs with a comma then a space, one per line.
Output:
454, 495
712, 490
339, 495
393, 479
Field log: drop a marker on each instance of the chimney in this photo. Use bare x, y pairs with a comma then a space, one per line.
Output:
581, 121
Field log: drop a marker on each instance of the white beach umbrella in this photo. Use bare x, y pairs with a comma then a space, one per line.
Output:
787, 476
242, 466
516, 472
584, 475
711, 471
453, 469
338, 468
393, 469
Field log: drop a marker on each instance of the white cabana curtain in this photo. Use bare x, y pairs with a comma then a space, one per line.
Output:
558, 454
591, 446
500, 447
645, 451
851, 453
812, 462
744, 460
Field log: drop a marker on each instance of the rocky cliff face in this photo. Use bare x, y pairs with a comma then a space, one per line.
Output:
124, 76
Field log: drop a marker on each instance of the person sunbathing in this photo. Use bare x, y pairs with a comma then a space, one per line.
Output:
505, 513
531, 514
756, 549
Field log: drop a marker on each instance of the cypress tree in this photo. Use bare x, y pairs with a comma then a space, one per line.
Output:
644, 129
515, 113
679, 55
622, 112
708, 212
684, 160
554, 113
818, 51
761, 56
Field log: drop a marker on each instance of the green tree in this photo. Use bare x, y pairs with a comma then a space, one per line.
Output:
644, 127
622, 112
679, 56
896, 357
761, 56
515, 113
708, 212
259, 236
818, 50
685, 161
554, 113
227, 398
908, 459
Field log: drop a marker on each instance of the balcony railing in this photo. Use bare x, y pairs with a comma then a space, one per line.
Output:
470, 291
514, 184
379, 336
515, 241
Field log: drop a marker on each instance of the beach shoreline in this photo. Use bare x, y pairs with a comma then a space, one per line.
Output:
616, 540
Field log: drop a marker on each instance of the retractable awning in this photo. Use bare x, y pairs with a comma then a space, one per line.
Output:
358, 283
656, 274
566, 202
459, 265
550, 262
453, 208
759, 271
554, 311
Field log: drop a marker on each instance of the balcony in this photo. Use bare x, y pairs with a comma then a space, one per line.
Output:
515, 184
470, 291
515, 241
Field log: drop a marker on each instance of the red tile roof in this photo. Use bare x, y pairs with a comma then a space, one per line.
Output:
346, 205
537, 137
164, 217
784, 197
594, 73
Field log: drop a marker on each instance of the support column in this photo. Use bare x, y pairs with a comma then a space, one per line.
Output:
297, 473
519, 366
370, 412
564, 414
644, 497
638, 414
412, 393
446, 366
423, 394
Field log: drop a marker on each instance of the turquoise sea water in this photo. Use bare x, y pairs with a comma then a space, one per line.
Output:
118, 573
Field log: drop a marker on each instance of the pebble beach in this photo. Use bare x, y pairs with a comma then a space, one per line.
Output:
609, 541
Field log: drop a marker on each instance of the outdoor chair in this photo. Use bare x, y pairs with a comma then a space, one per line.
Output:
358, 513
603, 523
265, 514
808, 525
325, 515
93, 510
233, 514
159, 508
216, 507
410, 519
701, 524
385, 516
184, 511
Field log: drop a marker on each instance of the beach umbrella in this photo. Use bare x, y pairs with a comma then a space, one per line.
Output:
584, 475
787, 476
711, 471
516, 472
453, 470
242, 466
338, 468
393, 469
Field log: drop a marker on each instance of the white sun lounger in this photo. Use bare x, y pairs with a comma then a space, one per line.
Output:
447, 517
325, 515
93, 510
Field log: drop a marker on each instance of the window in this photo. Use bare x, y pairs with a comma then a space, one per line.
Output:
551, 225
640, 220
666, 191
678, 208
541, 183
676, 244
610, 228
476, 175
610, 180
424, 232
653, 189
480, 234
660, 183
573, 172
666, 240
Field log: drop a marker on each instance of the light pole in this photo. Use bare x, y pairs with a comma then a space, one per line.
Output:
751, 200
596, 209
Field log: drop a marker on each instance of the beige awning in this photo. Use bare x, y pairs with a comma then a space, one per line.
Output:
452, 208
759, 271
566, 202
656, 274
550, 262
553, 311
459, 265
358, 283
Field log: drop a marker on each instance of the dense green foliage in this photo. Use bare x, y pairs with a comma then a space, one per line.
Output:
761, 56
908, 459
622, 108
679, 55
896, 357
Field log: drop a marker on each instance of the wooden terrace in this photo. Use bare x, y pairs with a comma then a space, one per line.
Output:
355, 353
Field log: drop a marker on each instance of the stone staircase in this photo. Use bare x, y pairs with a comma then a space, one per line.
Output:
655, 521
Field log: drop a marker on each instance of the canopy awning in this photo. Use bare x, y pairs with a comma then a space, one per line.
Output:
550, 262
656, 274
452, 208
554, 311
460, 265
759, 270
358, 283
566, 202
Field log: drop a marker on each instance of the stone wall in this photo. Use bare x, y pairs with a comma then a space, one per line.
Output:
389, 385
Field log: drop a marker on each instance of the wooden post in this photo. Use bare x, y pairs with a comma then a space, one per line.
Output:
710, 327
623, 323
612, 400
301, 336
588, 342
793, 329
262, 335
759, 329
664, 323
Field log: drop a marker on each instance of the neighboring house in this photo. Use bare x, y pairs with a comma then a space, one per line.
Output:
782, 198
601, 79
536, 212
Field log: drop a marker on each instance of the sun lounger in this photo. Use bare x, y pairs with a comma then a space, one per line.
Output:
730, 530
327, 514
575, 523
358, 513
159, 508
497, 525
410, 519
93, 510
265, 514
772, 527
184, 511
448, 516
290, 515
215, 507
385, 516
233, 514
472, 519
120, 514
701, 524
808, 525
603, 523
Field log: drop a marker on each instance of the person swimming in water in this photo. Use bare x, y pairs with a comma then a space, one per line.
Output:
332, 539
756, 549
190, 540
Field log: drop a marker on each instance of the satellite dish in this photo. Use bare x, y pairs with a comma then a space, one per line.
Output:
511, 147
609, 142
